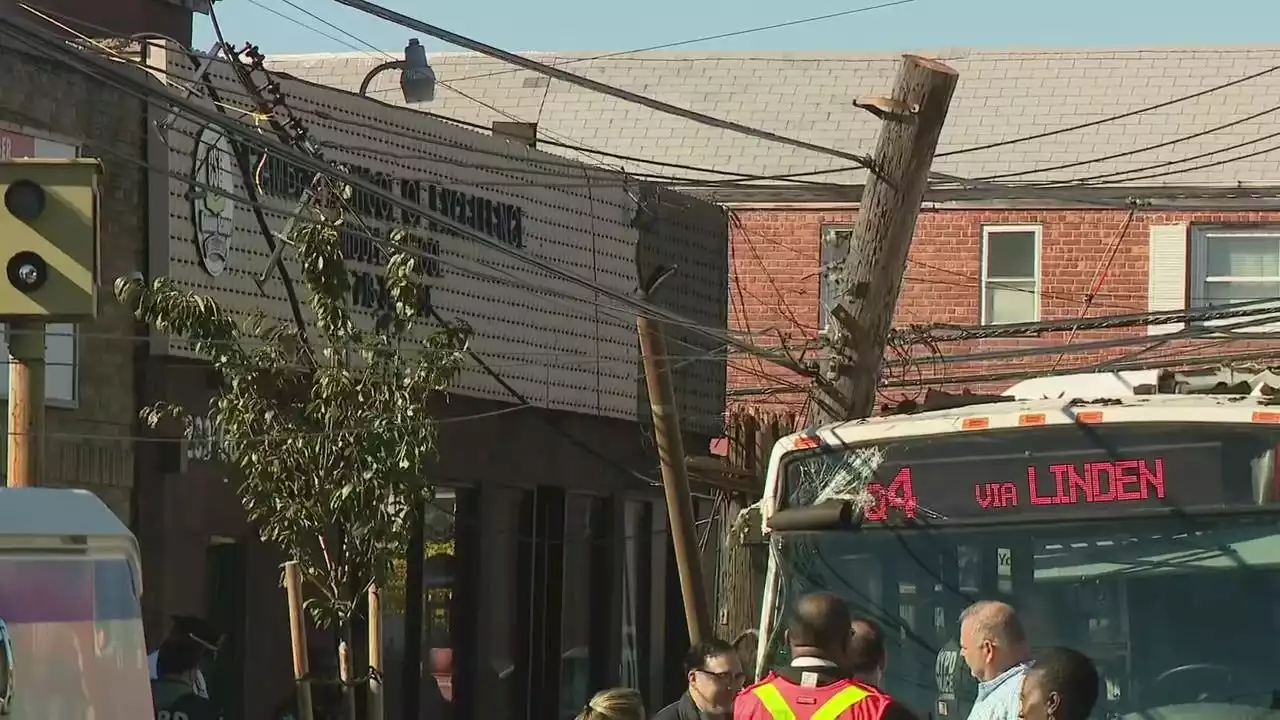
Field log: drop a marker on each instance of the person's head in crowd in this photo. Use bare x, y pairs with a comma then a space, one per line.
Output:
714, 671
1062, 684
202, 631
820, 627
992, 639
867, 654
178, 659
614, 704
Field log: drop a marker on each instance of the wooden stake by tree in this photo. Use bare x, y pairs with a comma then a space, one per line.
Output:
332, 445
869, 278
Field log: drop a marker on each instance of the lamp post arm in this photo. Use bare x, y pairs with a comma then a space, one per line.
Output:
377, 70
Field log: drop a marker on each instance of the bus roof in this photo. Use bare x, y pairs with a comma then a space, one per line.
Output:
58, 513
1024, 413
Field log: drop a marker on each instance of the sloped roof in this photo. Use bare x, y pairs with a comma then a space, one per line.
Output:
1001, 95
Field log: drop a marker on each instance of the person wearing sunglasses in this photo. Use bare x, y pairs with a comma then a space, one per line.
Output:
715, 676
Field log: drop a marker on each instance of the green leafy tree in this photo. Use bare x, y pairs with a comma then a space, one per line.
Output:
332, 437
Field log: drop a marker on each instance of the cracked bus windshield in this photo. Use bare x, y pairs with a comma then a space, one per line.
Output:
1147, 546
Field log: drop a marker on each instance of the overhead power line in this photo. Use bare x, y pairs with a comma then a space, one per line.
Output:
1181, 361
1109, 119
951, 333
1139, 150
55, 48
698, 40
1090, 182
1022, 190
1075, 348
380, 51
555, 73
730, 178
595, 85
1194, 361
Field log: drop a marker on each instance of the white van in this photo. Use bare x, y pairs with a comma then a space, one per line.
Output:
71, 640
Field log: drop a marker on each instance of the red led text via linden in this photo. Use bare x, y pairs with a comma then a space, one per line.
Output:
1084, 483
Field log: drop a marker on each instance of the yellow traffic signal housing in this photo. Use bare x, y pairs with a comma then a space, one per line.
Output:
49, 238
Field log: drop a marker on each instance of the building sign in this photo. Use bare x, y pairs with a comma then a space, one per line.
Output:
501, 221
213, 214
469, 201
205, 440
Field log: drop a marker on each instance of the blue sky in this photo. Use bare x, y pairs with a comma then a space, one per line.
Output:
588, 25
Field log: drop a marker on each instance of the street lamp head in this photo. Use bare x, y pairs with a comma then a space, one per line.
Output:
417, 79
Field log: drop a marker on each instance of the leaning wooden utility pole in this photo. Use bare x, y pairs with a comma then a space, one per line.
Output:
675, 472
869, 277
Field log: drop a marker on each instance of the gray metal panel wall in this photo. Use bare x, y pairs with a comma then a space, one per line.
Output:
693, 235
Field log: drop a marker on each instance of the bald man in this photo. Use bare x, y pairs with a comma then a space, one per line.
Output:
994, 645
817, 683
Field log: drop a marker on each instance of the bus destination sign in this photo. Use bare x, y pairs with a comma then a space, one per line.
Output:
1075, 483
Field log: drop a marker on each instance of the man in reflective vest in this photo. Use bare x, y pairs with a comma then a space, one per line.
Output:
817, 685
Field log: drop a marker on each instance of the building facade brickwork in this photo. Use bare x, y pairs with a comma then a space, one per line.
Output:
89, 440
776, 284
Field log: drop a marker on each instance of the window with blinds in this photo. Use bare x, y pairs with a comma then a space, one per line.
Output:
1238, 265
1010, 274
1235, 265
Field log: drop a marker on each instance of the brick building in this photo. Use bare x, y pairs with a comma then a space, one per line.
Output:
91, 416
1200, 165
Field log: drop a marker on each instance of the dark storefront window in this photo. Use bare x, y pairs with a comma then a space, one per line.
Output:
637, 544
559, 605
436, 642
490, 599
439, 580
581, 591
540, 576
225, 588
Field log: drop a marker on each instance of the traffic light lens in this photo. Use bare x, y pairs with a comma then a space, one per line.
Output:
27, 272
24, 200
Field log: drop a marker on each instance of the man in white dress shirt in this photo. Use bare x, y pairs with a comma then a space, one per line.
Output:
994, 645
204, 633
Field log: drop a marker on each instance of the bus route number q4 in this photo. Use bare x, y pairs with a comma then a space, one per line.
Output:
898, 495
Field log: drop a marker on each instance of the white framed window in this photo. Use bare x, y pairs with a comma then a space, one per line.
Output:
61, 358
835, 239
1010, 280
1234, 265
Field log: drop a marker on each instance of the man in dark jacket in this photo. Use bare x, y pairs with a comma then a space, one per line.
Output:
173, 692
715, 677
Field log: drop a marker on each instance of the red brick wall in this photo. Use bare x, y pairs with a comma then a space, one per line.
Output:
775, 283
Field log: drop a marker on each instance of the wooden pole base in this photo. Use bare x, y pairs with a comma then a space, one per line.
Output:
26, 402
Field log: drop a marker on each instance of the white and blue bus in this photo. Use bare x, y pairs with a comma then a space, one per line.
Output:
1142, 530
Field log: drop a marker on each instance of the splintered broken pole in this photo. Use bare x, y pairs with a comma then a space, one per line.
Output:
868, 277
